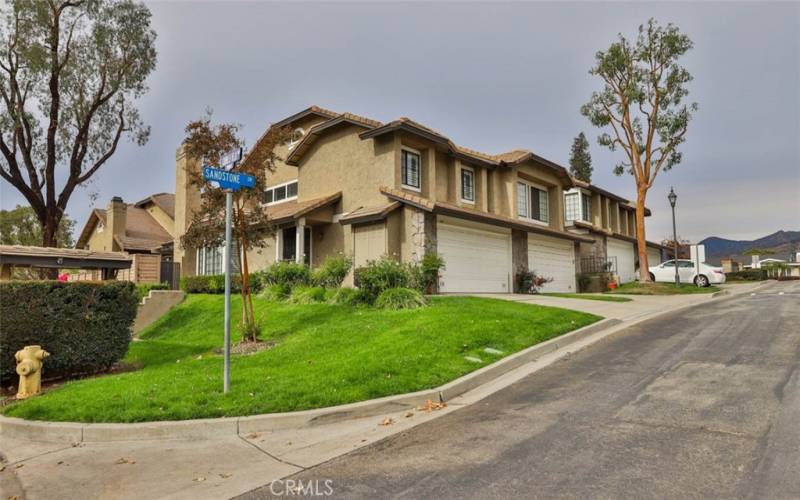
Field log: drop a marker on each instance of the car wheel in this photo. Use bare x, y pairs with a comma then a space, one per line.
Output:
701, 281
652, 277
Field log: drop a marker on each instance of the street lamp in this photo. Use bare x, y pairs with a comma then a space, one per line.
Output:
672, 199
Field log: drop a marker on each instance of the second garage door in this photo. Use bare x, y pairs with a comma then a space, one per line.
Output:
552, 258
626, 263
476, 260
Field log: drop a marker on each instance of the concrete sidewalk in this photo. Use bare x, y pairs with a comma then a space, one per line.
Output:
225, 467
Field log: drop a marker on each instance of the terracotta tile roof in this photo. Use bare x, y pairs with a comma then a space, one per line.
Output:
283, 212
20, 250
477, 215
365, 214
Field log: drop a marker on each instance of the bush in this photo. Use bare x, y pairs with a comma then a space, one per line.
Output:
529, 282
210, 284
307, 295
747, 275
275, 293
142, 290
332, 272
258, 281
400, 298
430, 267
85, 326
287, 273
347, 297
382, 274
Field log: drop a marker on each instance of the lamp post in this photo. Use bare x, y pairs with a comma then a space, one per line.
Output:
672, 199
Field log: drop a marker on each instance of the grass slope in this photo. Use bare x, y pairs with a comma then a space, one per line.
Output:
586, 296
325, 355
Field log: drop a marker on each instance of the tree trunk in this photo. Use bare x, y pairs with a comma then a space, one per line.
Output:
641, 240
50, 240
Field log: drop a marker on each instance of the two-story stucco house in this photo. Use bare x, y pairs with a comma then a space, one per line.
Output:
349, 184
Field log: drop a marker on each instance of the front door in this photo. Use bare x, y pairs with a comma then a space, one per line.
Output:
289, 250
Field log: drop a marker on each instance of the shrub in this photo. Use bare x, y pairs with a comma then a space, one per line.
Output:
307, 295
275, 293
430, 266
333, 271
210, 284
287, 273
258, 281
85, 326
747, 275
529, 282
143, 289
400, 298
347, 297
382, 274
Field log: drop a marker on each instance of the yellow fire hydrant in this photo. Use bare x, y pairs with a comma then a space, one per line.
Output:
29, 368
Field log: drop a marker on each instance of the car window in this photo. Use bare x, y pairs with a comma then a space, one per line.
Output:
668, 263
685, 263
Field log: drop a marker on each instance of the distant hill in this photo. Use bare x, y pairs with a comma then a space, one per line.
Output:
781, 243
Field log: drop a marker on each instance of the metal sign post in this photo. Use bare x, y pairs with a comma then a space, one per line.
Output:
230, 182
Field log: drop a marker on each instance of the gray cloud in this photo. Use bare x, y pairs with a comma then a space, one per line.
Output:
492, 76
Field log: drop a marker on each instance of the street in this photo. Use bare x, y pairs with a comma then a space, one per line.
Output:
694, 404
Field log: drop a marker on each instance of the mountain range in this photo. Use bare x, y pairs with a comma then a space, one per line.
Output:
780, 244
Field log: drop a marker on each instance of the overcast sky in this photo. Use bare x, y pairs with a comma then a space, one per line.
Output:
491, 76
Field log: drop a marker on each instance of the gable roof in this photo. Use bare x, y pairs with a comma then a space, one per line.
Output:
164, 201
142, 231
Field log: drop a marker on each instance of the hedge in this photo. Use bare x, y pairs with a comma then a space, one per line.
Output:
747, 275
214, 283
85, 326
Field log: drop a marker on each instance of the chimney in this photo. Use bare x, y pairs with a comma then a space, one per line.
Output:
187, 202
116, 219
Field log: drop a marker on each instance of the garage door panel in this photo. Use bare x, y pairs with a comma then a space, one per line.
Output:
475, 260
625, 256
552, 258
653, 257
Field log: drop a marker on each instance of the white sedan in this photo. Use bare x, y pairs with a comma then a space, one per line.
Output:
704, 276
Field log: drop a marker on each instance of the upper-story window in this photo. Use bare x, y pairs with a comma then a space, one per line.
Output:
280, 193
467, 184
296, 137
410, 169
533, 202
578, 206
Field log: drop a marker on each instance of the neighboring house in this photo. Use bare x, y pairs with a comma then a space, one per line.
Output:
730, 265
789, 263
145, 229
610, 221
353, 185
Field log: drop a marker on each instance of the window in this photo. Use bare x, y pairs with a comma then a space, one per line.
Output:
280, 193
522, 199
586, 204
533, 202
410, 169
572, 206
467, 184
210, 260
297, 136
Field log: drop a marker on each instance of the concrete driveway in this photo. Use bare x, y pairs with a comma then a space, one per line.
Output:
701, 403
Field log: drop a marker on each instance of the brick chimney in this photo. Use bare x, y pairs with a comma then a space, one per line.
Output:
116, 219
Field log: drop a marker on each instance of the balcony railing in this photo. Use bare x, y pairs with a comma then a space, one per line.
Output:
598, 264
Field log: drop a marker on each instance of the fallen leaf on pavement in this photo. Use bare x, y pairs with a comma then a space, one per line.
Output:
199, 479
225, 476
430, 406
253, 435
409, 414
387, 421
125, 461
19, 466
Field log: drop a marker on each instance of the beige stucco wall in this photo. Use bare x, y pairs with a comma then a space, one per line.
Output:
341, 161
162, 218
187, 200
99, 240
535, 173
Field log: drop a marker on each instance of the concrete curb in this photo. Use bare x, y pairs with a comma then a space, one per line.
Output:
75, 432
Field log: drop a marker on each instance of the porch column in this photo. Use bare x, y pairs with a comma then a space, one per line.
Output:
300, 240
278, 244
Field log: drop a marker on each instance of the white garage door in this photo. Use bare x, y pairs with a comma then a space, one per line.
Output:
552, 258
653, 257
475, 260
623, 251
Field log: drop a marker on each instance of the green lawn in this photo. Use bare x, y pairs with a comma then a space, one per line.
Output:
325, 355
636, 288
586, 296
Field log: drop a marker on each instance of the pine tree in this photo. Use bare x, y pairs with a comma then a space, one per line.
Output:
580, 161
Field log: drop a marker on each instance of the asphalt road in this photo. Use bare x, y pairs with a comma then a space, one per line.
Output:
703, 403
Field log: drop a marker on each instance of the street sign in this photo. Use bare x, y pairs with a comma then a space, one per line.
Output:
229, 180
